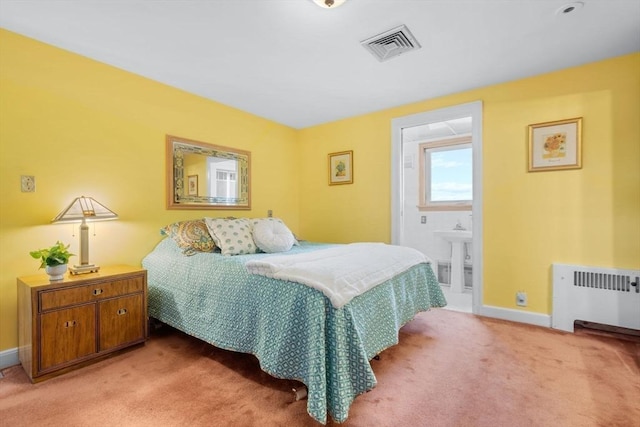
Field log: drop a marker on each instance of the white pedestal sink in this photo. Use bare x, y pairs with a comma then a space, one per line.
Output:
457, 238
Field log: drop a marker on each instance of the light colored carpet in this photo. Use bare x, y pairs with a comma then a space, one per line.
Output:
450, 369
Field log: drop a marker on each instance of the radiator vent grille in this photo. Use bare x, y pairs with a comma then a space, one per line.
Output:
614, 282
608, 296
391, 43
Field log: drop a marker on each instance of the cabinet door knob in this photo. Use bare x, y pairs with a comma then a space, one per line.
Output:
97, 291
70, 324
122, 311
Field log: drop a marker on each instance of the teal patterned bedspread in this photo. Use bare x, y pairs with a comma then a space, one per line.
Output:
292, 329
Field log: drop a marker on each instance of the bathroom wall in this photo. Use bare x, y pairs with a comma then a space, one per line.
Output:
421, 237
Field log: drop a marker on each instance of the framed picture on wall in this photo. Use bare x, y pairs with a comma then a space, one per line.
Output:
192, 185
341, 168
555, 145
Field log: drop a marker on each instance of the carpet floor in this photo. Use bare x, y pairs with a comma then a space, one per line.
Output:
449, 369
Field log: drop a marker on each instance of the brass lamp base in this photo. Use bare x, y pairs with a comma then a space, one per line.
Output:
83, 269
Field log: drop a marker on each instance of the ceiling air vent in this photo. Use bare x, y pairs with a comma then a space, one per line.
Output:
391, 43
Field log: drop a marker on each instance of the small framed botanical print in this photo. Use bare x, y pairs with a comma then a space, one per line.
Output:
192, 185
555, 145
341, 168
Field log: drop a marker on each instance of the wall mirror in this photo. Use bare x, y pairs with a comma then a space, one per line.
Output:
207, 176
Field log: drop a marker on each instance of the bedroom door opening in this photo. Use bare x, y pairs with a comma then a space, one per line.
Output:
436, 196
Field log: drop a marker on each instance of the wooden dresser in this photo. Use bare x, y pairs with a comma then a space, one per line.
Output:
66, 324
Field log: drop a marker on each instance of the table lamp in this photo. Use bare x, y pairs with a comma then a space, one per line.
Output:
84, 209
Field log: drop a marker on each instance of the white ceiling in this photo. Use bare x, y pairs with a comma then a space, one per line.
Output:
300, 65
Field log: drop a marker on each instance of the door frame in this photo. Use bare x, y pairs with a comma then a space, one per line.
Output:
473, 109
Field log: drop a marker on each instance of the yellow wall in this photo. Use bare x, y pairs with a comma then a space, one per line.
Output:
589, 216
85, 128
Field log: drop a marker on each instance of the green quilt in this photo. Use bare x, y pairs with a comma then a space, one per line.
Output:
292, 329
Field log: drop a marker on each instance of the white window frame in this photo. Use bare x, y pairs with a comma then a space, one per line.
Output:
424, 186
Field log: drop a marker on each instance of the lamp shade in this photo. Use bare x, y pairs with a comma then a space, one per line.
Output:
85, 208
329, 4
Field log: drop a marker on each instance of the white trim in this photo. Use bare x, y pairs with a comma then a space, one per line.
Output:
537, 319
473, 109
9, 358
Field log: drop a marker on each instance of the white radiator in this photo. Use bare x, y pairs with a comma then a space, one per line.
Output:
601, 295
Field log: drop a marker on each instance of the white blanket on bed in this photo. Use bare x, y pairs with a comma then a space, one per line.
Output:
341, 272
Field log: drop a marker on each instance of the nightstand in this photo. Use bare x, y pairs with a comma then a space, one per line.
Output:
69, 323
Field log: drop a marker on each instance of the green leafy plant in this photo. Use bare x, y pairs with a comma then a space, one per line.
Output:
55, 255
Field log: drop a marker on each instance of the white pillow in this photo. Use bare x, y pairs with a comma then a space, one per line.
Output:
232, 236
271, 235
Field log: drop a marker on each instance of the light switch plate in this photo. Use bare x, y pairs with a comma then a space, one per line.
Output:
28, 183
521, 298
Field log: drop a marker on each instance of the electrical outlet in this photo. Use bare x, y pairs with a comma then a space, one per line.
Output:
27, 183
521, 298
269, 213
423, 219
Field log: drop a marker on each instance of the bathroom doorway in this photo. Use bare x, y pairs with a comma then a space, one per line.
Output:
437, 196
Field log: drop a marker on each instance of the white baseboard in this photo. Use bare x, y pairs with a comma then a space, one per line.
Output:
520, 316
9, 358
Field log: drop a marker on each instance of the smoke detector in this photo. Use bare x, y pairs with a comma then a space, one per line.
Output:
329, 4
391, 43
570, 7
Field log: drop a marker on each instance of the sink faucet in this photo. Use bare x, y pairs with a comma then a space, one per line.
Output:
459, 226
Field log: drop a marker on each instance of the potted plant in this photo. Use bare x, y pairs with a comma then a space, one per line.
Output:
54, 260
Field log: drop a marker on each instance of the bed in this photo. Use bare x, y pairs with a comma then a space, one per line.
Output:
293, 329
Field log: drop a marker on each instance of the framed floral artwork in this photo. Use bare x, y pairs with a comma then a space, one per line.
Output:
192, 185
555, 145
341, 168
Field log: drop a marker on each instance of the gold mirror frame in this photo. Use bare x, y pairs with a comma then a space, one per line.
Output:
184, 191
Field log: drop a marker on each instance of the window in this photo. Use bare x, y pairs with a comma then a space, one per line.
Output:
446, 174
226, 184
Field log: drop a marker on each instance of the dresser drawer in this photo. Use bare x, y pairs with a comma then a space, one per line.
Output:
91, 292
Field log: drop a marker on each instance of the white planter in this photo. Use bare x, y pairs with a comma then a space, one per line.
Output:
56, 272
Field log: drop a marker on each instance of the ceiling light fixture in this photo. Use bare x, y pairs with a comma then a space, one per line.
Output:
329, 4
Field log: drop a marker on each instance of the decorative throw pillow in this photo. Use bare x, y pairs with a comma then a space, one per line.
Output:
232, 236
192, 236
271, 235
